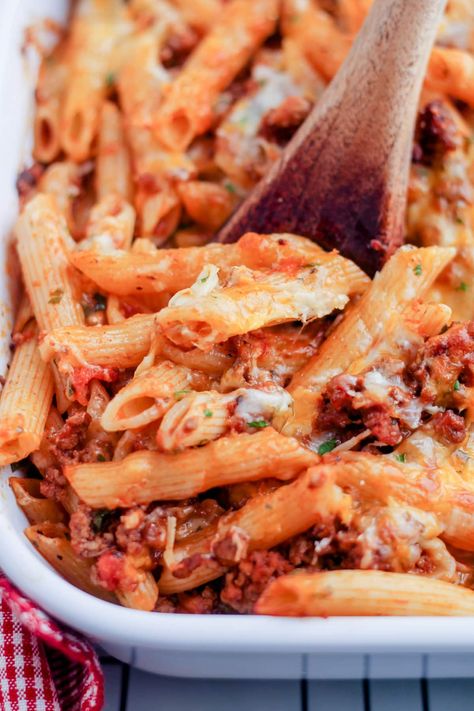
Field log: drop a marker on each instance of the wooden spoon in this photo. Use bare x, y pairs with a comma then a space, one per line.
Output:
342, 180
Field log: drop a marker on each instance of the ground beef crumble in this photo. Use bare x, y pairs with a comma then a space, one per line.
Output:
450, 427
244, 584
436, 134
67, 443
280, 124
444, 361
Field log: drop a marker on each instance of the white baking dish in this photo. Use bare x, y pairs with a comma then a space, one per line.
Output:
187, 645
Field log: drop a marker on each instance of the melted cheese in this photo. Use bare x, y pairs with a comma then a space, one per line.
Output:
253, 404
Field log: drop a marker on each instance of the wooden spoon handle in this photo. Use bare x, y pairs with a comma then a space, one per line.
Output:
343, 178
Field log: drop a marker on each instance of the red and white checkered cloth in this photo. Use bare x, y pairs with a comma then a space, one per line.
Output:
43, 667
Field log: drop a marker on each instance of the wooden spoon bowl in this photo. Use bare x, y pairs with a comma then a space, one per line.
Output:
342, 180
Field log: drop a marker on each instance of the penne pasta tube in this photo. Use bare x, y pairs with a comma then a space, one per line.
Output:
111, 224
171, 270
50, 540
433, 487
63, 180
407, 276
203, 417
201, 14
323, 43
208, 204
113, 174
196, 419
262, 523
451, 71
42, 243
144, 595
36, 507
147, 476
363, 592
49, 91
352, 13
159, 210
188, 107
213, 363
156, 169
147, 397
94, 32
25, 400
121, 345
23, 315
211, 311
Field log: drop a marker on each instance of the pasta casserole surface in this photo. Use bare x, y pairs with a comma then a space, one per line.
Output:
254, 427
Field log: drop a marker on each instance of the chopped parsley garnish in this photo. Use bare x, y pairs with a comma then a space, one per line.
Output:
181, 393
401, 457
55, 296
311, 265
418, 270
230, 187
110, 79
462, 286
204, 279
456, 385
328, 446
459, 220
70, 390
101, 458
208, 413
258, 424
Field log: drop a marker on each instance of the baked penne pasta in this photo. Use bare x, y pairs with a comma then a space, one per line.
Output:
187, 110
170, 270
407, 276
144, 597
363, 592
430, 486
36, 507
212, 311
206, 203
111, 224
94, 31
52, 80
41, 232
233, 422
147, 397
62, 180
322, 41
121, 345
155, 169
50, 540
352, 13
206, 416
201, 14
146, 476
25, 400
263, 522
113, 165
451, 71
